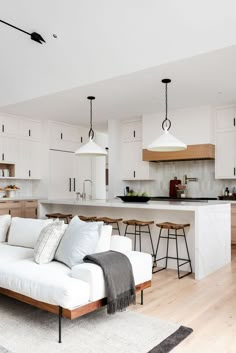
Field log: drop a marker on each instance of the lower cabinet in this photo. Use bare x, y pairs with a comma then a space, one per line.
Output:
16, 208
233, 223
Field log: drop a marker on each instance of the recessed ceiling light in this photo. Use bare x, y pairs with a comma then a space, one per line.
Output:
54, 35
219, 92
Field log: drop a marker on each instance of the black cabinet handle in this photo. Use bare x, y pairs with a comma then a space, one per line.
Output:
3, 127
36, 212
3, 156
61, 135
29, 132
29, 172
234, 121
134, 173
81, 139
9, 211
234, 171
134, 133
69, 184
74, 184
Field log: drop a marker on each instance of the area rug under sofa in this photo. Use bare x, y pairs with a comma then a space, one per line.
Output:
25, 329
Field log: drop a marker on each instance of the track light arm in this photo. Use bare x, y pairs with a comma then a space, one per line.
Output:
34, 35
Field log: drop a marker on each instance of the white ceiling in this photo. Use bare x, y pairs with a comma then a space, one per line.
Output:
118, 51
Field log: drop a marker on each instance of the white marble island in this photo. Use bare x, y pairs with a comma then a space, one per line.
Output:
208, 237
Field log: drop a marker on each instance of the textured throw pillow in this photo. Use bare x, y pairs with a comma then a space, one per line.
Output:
5, 222
48, 241
25, 231
80, 239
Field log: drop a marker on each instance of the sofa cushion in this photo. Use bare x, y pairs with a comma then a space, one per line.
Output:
25, 231
48, 241
104, 241
10, 253
80, 239
5, 222
50, 283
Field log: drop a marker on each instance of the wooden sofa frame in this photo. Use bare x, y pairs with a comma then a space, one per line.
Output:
66, 313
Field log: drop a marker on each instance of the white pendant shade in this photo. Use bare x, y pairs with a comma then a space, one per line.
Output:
166, 143
91, 149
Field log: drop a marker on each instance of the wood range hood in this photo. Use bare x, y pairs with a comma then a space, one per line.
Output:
193, 152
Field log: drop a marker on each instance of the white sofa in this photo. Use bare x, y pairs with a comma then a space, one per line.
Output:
55, 286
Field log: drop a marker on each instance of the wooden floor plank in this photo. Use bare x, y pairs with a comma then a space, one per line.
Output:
208, 306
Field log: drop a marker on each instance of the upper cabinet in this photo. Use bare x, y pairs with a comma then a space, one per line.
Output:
225, 137
64, 137
30, 129
9, 126
132, 165
132, 131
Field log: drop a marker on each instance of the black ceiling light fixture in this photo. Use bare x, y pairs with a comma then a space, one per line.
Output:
34, 35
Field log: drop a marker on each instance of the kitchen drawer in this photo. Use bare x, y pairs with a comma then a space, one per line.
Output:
15, 204
31, 203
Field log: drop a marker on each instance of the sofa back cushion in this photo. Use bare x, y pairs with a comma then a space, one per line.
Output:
104, 242
5, 222
48, 241
25, 231
80, 239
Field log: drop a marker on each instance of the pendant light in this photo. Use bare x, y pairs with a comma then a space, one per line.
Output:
166, 142
91, 148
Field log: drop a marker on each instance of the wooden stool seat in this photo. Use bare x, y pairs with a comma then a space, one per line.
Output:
88, 219
58, 215
169, 225
112, 221
133, 222
108, 220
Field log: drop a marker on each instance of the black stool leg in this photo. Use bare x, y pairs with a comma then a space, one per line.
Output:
187, 251
141, 297
150, 235
135, 233
125, 230
167, 248
140, 241
118, 228
177, 252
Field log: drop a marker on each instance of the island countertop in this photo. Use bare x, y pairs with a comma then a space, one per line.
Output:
151, 205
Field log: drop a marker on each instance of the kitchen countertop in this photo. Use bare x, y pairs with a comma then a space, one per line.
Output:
152, 205
22, 198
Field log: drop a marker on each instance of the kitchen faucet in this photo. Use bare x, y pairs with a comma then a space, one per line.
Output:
84, 196
186, 179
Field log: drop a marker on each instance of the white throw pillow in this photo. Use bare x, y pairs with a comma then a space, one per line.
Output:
5, 222
25, 231
48, 242
104, 241
80, 239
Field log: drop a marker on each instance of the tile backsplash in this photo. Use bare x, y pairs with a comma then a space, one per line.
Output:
204, 171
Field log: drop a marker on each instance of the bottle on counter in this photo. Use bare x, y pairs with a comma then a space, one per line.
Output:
226, 193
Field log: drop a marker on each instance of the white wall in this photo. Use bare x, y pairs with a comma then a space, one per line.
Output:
191, 125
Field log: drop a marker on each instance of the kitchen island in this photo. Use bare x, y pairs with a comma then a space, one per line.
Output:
208, 237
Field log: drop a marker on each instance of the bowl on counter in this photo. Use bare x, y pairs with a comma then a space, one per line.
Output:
134, 198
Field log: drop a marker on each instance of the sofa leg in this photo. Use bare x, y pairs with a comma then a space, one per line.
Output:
59, 323
141, 297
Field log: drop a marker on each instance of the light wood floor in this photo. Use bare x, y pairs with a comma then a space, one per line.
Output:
207, 306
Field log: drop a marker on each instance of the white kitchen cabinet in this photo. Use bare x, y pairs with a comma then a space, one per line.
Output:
9, 126
225, 137
8, 149
133, 167
29, 161
67, 173
132, 130
225, 119
30, 129
64, 137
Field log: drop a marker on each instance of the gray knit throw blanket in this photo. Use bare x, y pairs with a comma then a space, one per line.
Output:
119, 279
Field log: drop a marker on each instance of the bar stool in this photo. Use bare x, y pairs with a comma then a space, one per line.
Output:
66, 217
175, 227
138, 231
88, 219
114, 222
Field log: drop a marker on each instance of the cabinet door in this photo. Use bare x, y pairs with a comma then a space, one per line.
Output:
15, 208
30, 209
31, 129
132, 131
128, 161
225, 155
4, 209
64, 137
9, 149
82, 171
225, 119
29, 162
9, 126
61, 170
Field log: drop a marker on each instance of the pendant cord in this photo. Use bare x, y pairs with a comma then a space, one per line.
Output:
166, 102
166, 124
91, 132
